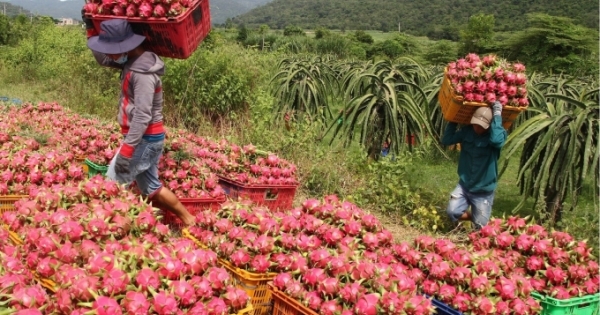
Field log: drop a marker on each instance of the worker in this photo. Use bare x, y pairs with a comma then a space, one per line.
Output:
481, 142
139, 112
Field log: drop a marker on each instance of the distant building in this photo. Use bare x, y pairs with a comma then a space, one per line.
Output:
67, 21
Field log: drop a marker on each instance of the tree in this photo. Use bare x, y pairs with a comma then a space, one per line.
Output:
321, 32
363, 37
558, 147
292, 30
556, 44
477, 34
242, 33
4, 29
442, 52
262, 30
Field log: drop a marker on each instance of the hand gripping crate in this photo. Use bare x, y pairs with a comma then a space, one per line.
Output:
173, 37
255, 284
457, 110
285, 305
274, 197
585, 305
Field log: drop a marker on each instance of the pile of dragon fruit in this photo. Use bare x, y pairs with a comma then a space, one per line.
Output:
50, 126
245, 165
80, 246
104, 251
331, 255
489, 79
138, 8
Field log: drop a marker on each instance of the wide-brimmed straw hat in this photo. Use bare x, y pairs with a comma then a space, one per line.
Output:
116, 37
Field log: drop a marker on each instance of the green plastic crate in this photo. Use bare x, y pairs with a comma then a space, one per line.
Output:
586, 305
95, 169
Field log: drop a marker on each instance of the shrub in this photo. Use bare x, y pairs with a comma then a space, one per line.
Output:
385, 188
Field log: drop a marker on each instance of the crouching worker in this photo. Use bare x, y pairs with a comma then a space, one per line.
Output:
481, 142
139, 112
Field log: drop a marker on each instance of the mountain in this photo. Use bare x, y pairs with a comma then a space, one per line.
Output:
9, 9
220, 9
417, 17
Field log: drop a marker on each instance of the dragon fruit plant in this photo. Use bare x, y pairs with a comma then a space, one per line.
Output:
256, 239
489, 79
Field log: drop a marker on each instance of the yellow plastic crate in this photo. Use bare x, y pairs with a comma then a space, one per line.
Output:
14, 237
255, 284
7, 202
456, 110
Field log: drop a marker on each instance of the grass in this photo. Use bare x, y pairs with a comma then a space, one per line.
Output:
435, 178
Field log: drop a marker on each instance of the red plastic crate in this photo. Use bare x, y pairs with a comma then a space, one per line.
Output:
176, 37
278, 197
193, 205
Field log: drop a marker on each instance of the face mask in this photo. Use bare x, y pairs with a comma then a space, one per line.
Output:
122, 59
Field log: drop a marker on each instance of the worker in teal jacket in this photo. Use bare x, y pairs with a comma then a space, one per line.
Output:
481, 142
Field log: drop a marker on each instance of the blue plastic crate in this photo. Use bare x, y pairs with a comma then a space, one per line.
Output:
442, 309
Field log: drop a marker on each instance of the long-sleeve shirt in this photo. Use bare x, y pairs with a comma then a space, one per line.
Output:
141, 101
478, 161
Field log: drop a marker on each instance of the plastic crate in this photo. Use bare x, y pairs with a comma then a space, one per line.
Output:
456, 110
442, 309
247, 311
12, 236
193, 205
285, 305
186, 233
7, 202
95, 169
46, 283
275, 198
255, 284
176, 37
586, 305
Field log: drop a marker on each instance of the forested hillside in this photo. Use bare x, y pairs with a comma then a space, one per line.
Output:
432, 17
12, 10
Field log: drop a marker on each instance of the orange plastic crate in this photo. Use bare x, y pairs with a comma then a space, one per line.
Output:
456, 110
280, 197
176, 37
7, 202
285, 305
255, 284
14, 237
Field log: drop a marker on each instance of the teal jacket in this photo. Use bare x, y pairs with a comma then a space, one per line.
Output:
478, 162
